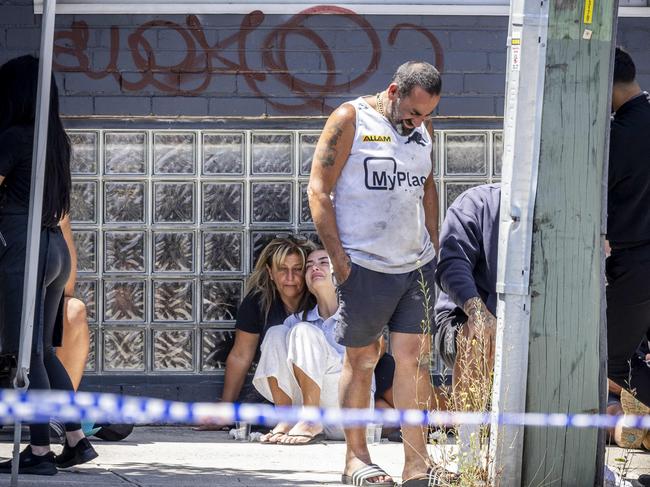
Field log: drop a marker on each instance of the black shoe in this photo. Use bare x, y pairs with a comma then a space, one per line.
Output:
82, 452
32, 464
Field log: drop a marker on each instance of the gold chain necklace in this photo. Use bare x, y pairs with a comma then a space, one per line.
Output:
380, 104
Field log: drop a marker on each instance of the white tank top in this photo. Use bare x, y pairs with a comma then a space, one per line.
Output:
378, 196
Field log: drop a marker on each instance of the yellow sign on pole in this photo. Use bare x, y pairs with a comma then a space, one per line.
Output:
589, 11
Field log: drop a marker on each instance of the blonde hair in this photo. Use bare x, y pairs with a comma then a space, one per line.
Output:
272, 256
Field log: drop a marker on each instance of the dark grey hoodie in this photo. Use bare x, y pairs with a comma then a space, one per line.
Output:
467, 262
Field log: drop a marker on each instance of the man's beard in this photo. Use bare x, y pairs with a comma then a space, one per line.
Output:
402, 129
393, 118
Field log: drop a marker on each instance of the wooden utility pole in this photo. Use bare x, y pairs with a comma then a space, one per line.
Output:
549, 355
564, 355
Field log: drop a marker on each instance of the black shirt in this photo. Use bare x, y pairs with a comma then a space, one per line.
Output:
16, 145
250, 315
628, 202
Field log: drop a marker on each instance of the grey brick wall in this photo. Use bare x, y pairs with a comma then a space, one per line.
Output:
177, 65
634, 35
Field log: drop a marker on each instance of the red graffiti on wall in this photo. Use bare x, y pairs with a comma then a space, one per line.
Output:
202, 61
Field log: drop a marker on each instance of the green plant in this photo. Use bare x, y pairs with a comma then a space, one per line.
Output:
470, 391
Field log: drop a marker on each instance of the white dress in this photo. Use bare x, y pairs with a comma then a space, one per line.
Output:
309, 344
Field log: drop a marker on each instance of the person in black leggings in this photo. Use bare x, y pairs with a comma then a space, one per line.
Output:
18, 87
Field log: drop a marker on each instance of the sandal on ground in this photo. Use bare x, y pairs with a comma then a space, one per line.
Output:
436, 476
310, 439
361, 476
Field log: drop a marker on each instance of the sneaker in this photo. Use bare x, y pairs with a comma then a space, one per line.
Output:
32, 464
82, 452
628, 437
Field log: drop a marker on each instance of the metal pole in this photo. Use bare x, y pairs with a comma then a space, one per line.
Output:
522, 131
602, 409
562, 279
21, 381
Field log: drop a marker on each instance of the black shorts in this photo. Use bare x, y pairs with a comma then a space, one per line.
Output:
445, 339
369, 301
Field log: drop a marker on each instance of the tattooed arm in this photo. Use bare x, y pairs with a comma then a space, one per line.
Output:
331, 154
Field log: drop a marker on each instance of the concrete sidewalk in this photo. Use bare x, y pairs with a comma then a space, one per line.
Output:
178, 456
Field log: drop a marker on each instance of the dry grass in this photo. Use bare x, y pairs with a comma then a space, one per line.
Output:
623, 463
471, 392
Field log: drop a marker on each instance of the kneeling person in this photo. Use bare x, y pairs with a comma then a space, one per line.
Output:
466, 306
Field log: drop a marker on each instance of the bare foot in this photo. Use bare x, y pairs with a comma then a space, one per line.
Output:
413, 473
276, 433
438, 472
302, 432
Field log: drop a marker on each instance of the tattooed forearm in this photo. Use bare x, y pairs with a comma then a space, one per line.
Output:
327, 152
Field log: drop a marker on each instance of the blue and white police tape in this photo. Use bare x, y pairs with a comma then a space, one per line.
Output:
40, 406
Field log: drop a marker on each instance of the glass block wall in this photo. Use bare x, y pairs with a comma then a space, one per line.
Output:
168, 224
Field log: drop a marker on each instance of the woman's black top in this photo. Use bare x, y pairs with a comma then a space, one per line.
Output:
16, 145
251, 317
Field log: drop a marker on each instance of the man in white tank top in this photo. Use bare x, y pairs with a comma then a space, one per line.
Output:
375, 206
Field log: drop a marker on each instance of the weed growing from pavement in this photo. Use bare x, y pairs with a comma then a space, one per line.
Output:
473, 462
623, 463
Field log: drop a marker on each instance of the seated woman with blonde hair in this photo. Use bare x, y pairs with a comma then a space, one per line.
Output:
274, 290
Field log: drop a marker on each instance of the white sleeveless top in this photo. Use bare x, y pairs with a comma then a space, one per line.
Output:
378, 196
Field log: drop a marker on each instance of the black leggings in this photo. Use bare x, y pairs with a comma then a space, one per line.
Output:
628, 318
45, 369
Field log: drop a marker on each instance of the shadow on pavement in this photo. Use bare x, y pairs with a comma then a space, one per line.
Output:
162, 474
